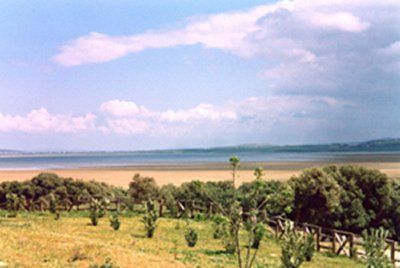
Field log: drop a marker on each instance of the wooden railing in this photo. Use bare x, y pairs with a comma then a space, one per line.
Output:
336, 241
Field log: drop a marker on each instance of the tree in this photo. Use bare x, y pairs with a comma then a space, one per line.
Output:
142, 189
259, 173
316, 195
235, 163
167, 197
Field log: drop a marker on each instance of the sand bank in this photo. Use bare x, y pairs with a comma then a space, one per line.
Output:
177, 174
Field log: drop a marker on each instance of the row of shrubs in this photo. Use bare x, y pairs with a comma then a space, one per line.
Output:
350, 198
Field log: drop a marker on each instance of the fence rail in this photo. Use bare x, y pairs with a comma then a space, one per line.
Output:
336, 241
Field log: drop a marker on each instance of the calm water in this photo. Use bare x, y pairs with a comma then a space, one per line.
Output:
58, 161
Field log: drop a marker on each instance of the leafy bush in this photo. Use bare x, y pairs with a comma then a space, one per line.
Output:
150, 219
94, 211
258, 234
114, 221
191, 236
142, 189
220, 226
375, 248
293, 247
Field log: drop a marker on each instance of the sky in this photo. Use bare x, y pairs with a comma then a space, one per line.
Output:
127, 75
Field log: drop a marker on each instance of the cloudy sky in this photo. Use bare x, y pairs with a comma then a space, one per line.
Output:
90, 75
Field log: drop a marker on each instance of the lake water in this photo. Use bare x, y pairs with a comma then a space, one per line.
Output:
114, 159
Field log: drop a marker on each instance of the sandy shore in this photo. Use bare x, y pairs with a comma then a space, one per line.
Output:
177, 174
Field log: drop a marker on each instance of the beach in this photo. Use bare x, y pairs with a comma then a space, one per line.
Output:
180, 173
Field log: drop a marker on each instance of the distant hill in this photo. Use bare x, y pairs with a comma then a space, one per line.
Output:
4, 151
378, 145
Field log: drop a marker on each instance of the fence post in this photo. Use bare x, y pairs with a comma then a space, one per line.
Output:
392, 251
352, 251
319, 232
333, 242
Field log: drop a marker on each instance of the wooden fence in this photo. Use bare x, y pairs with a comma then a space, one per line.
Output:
336, 241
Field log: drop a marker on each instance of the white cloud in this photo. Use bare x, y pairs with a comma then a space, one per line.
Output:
339, 20
41, 120
391, 50
236, 32
131, 126
202, 111
123, 108
256, 114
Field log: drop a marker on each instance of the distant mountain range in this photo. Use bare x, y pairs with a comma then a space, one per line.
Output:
378, 145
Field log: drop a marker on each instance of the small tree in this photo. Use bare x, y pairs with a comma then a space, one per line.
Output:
235, 163
259, 173
150, 218
374, 245
114, 222
255, 233
191, 236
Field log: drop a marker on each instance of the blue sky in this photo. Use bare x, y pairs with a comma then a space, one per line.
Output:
111, 75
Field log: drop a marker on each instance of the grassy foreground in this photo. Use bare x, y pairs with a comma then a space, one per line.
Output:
37, 240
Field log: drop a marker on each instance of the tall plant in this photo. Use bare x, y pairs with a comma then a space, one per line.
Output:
150, 219
294, 247
94, 211
375, 248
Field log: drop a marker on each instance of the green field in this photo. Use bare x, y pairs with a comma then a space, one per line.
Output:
37, 240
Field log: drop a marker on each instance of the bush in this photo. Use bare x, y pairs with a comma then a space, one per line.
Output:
258, 234
375, 248
149, 219
142, 189
94, 211
191, 236
220, 226
293, 247
309, 247
114, 222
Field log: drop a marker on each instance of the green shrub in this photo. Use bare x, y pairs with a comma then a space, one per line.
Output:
150, 219
292, 247
114, 222
94, 211
258, 234
309, 247
229, 245
220, 226
374, 246
191, 236
200, 217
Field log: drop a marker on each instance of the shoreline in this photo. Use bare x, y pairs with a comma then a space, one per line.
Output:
184, 172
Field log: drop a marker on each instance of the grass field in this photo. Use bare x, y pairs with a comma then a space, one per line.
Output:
37, 240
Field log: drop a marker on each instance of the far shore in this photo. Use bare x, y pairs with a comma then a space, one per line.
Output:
180, 173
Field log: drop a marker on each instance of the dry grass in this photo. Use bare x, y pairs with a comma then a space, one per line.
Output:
40, 241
